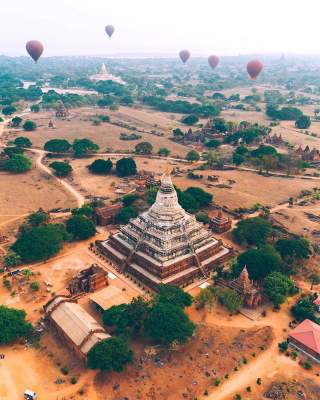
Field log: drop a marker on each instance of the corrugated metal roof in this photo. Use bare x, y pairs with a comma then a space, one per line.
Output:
109, 296
77, 324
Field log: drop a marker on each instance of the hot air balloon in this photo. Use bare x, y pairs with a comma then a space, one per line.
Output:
213, 61
254, 68
184, 55
109, 30
35, 49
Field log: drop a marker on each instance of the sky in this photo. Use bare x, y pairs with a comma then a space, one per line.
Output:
161, 27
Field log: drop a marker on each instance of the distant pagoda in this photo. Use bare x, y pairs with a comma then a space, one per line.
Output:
104, 75
61, 112
164, 244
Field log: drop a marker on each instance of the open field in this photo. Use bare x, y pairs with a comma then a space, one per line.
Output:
79, 125
21, 194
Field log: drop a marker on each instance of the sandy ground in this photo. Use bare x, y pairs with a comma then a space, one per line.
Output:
79, 125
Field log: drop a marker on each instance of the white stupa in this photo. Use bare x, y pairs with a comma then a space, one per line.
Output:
104, 75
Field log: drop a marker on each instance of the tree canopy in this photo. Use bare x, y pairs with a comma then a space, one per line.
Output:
293, 250
39, 243
22, 141
303, 122
143, 148
125, 214
57, 145
193, 155
29, 126
167, 324
100, 166
82, 147
80, 227
173, 295
110, 354
18, 163
61, 169
253, 231
126, 167
13, 325
278, 287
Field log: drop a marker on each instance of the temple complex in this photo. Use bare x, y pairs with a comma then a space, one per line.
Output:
312, 156
275, 139
164, 244
220, 223
104, 75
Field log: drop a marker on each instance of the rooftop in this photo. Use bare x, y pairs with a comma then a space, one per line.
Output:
308, 334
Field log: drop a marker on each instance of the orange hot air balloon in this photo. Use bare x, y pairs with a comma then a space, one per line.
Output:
213, 61
35, 49
254, 68
109, 30
184, 55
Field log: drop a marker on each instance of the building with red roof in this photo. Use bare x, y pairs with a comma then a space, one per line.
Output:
306, 338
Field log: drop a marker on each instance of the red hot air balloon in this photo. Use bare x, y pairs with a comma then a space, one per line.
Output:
254, 68
109, 30
213, 61
184, 55
35, 49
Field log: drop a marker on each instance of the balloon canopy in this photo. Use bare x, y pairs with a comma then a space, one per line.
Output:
184, 55
213, 61
254, 68
35, 49
109, 30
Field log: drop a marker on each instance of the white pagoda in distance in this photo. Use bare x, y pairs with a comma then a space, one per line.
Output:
104, 75
165, 244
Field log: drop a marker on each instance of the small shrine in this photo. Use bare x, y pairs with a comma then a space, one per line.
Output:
62, 112
51, 124
88, 280
250, 293
220, 223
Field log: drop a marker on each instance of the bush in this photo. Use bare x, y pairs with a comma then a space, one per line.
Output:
143, 148
34, 286
190, 120
303, 122
124, 215
18, 164
193, 155
22, 142
202, 217
163, 152
57, 146
8, 110
29, 126
283, 347
61, 169
64, 370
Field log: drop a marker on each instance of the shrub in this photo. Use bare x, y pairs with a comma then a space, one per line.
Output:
29, 126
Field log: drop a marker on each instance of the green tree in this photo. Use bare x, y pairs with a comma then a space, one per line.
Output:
18, 163
80, 227
213, 159
110, 355
173, 295
253, 231
129, 199
293, 250
303, 122
11, 259
8, 110
57, 146
85, 209
304, 309
193, 155
22, 142
100, 166
229, 299
13, 325
16, 122
34, 286
167, 324
143, 148
38, 218
35, 108
278, 287
81, 147
202, 217
125, 214
61, 169
190, 120
259, 262
202, 197
29, 126
39, 243
163, 152
126, 167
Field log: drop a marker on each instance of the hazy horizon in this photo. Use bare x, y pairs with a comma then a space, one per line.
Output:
234, 27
